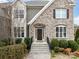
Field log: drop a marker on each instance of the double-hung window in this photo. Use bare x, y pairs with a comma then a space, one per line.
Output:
18, 13
19, 31
61, 32
61, 13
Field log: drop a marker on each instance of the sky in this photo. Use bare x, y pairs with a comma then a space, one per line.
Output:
76, 11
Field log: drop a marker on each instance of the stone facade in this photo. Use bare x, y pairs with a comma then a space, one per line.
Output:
45, 20
19, 22
50, 23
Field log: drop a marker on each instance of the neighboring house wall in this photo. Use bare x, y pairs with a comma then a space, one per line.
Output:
2, 12
50, 23
5, 24
5, 28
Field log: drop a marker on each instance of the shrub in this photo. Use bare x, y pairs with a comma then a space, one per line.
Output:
61, 49
18, 40
63, 43
54, 43
12, 52
2, 44
28, 42
7, 41
67, 51
77, 35
56, 49
73, 45
77, 41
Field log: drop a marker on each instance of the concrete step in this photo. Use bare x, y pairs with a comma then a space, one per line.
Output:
39, 50
38, 47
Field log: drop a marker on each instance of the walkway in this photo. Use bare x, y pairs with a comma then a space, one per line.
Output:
39, 50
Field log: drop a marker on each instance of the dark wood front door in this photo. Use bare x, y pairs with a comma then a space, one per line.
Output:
39, 34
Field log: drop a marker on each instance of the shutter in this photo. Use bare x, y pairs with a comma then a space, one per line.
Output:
67, 13
54, 13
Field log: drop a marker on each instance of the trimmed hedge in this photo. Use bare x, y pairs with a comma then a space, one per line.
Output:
54, 43
63, 43
73, 45
28, 42
12, 52
18, 40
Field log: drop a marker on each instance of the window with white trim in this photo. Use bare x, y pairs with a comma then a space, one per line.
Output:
61, 31
61, 13
18, 13
19, 31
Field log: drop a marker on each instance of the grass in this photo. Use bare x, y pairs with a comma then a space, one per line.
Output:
75, 57
53, 54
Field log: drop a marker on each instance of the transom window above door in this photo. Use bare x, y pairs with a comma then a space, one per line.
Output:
60, 31
18, 13
61, 13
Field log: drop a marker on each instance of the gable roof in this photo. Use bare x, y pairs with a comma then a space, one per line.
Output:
36, 3
28, 3
42, 10
15, 1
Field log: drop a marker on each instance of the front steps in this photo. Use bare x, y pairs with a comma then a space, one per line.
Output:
39, 50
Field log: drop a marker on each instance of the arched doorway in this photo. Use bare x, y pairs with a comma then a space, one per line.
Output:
39, 32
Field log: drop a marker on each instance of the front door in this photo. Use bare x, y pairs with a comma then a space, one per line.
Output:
39, 34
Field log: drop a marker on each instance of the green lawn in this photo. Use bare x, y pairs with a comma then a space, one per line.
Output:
75, 57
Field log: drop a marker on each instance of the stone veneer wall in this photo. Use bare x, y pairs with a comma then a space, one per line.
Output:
47, 19
5, 28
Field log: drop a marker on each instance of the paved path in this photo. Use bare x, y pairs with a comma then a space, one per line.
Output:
39, 51
38, 56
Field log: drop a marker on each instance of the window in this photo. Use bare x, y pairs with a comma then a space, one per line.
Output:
61, 31
61, 13
19, 31
18, 13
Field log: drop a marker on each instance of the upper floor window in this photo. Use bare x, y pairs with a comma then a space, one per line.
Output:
18, 13
61, 31
61, 13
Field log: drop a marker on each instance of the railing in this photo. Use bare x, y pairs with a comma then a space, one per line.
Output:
31, 40
48, 43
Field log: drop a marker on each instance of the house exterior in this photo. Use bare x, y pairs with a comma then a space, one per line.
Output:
38, 19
